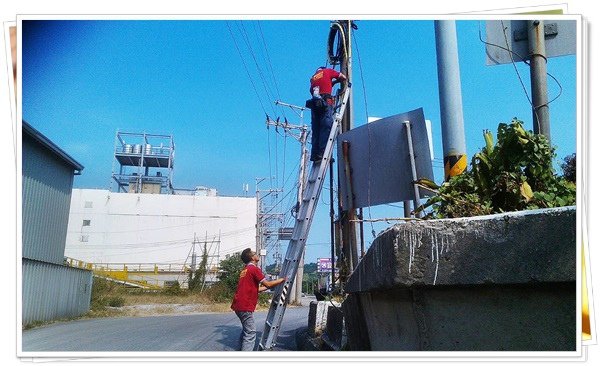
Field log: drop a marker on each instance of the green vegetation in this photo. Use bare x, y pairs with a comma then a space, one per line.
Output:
228, 277
106, 293
514, 174
569, 168
197, 279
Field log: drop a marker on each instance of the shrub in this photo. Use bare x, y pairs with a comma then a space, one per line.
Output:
514, 174
116, 301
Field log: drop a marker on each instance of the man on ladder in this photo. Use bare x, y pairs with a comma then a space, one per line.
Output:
321, 106
310, 198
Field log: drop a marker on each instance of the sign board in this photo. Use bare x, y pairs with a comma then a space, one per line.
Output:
560, 35
324, 265
285, 233
380, 161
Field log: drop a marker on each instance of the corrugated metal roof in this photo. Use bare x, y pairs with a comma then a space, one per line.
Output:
39, 137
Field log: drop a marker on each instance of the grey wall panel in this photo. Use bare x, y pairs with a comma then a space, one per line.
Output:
52, 291
47, 184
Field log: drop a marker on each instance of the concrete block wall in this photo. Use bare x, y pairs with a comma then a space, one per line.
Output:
493, 283
317, 317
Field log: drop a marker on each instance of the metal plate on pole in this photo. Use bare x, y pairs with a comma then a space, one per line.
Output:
381, 168
560, 36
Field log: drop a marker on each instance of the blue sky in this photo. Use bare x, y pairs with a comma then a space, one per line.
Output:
210, 83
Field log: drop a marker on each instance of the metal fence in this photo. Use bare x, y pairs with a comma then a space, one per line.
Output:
52, 291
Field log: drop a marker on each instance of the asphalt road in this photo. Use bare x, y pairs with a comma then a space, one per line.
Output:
196, 332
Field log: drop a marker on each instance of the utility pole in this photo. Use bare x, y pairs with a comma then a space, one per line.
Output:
539, 84
453, 131
302, 136
347, 217
263, 218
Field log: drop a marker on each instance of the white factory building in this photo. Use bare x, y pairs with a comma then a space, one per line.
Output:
165, 229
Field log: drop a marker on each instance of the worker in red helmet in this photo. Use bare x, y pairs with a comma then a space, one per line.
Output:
321, 105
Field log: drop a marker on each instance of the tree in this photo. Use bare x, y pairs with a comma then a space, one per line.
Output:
569, 168
229, 273
197, 278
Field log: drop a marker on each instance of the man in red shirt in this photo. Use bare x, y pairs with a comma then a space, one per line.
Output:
321, 105
251, 282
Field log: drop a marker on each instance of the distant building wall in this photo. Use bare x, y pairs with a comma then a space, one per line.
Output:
52, 291
109, 227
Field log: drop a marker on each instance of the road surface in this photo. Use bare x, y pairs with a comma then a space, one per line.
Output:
195, 332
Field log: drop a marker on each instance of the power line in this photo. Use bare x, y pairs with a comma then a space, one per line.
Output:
246, 68
262, 36
260, 73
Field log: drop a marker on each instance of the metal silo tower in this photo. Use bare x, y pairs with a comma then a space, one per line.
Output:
145, 163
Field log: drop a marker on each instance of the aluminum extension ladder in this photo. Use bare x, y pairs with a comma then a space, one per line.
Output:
301, 228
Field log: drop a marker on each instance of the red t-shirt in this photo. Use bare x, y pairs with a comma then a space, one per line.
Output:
322, 79
246, 295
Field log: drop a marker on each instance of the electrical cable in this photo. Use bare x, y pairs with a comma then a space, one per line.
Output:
368, 132
246, 68
260, 73
262, 36
511, 52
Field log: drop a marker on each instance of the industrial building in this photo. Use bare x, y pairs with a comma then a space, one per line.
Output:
145, 231
50, 290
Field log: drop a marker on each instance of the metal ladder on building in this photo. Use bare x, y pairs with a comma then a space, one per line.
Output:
301, 228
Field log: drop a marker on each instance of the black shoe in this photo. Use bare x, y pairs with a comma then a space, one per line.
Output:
316, 158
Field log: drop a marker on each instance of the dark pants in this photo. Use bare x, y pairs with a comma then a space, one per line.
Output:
321, 122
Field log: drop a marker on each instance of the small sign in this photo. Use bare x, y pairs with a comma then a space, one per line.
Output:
285, 233
324, 265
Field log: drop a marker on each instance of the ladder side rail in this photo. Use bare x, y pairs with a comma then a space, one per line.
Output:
297, 244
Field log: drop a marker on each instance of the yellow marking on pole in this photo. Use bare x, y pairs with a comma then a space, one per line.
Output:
454, 165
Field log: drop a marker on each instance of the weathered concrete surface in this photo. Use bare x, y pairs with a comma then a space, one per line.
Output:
512, 248
500, 282
334, 336
358, 333
317, 316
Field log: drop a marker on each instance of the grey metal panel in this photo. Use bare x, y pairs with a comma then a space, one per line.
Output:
47, 186
379, 150
52, 291
28, 130
561, 39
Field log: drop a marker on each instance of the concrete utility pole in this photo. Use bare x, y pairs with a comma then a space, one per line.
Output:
347, 217
453, 131
539, 84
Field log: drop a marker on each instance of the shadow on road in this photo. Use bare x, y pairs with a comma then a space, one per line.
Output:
228, 336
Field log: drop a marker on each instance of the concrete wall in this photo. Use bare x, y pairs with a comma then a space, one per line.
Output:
499, 282
156, 228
